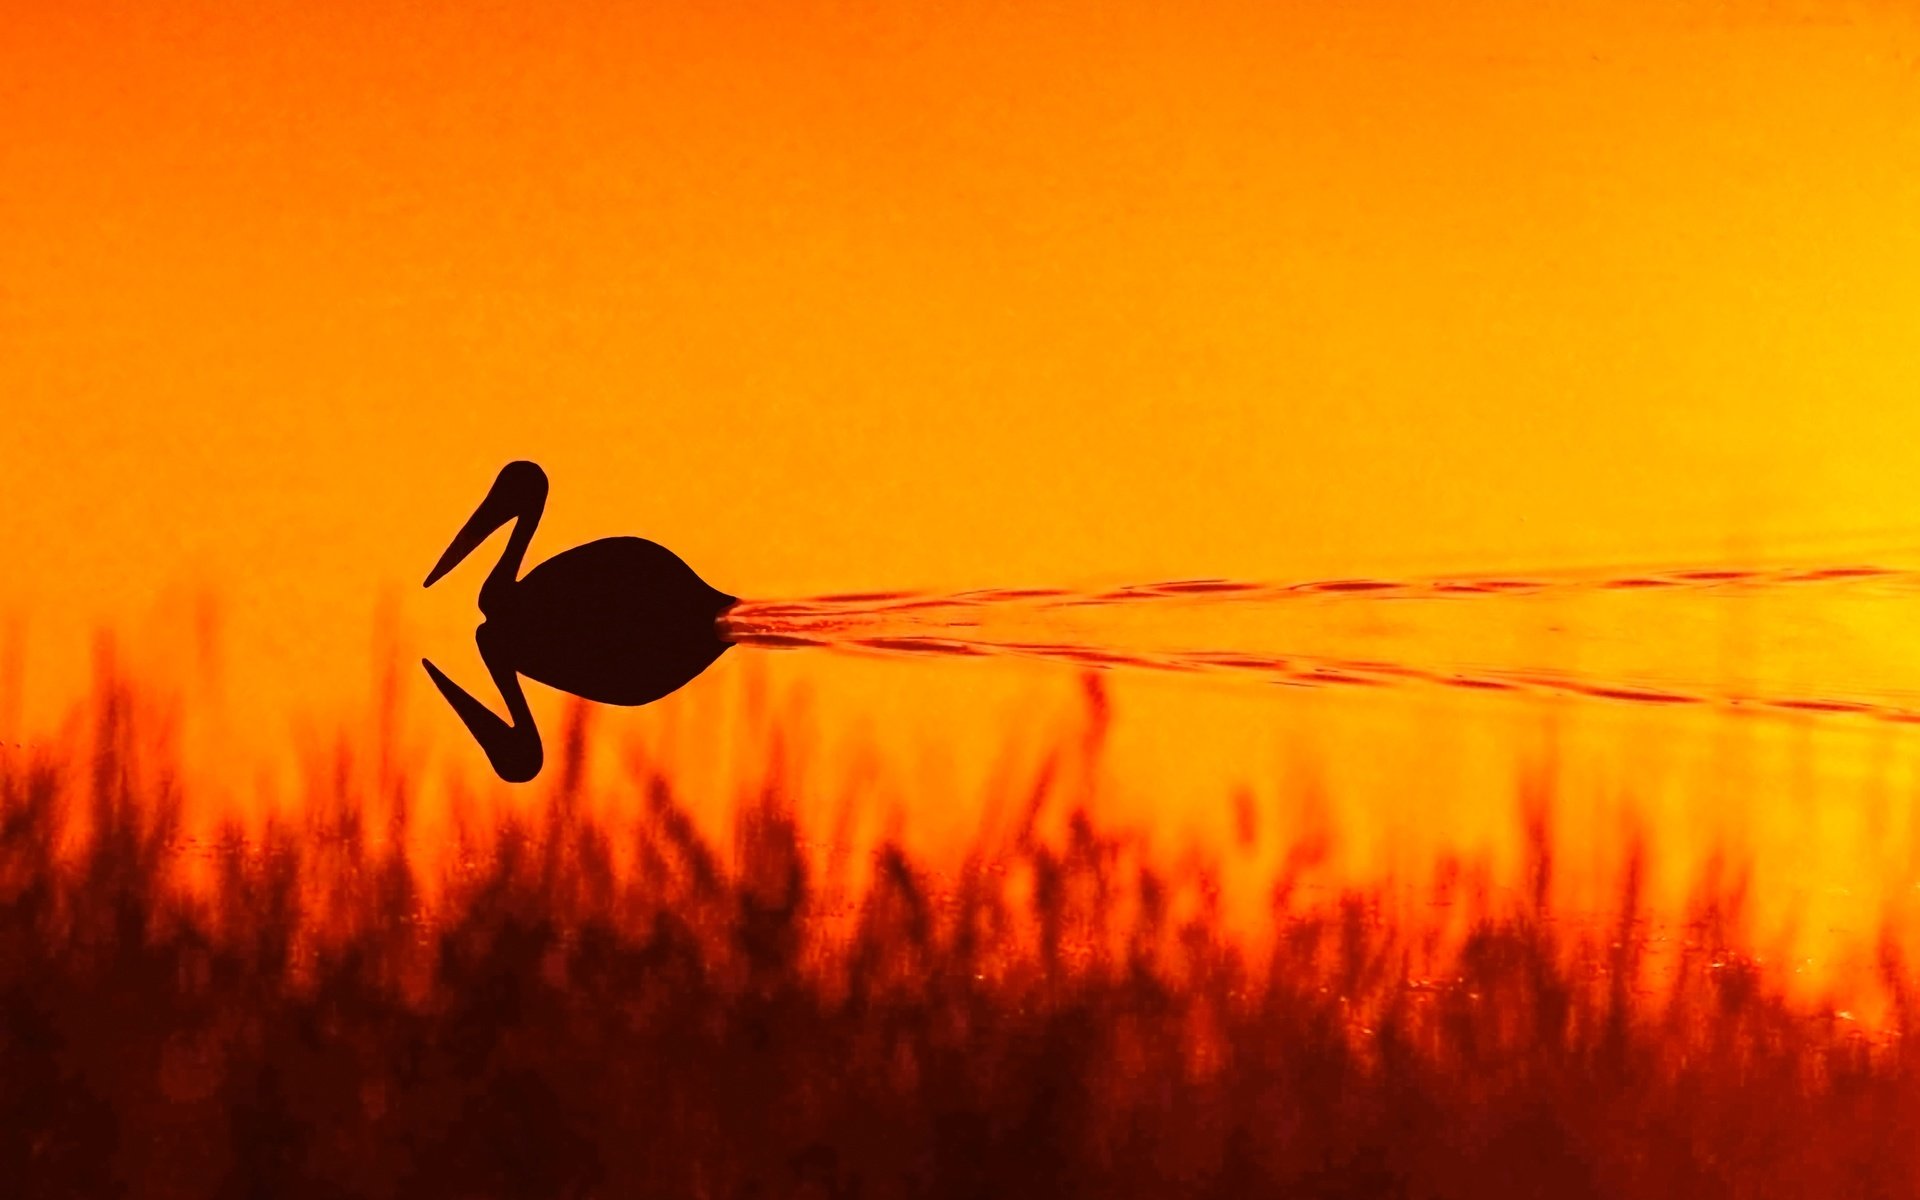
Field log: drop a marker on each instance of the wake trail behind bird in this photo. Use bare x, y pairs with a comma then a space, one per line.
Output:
1820, 639
1450, 587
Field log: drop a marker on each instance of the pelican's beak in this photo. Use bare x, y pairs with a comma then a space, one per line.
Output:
520, 490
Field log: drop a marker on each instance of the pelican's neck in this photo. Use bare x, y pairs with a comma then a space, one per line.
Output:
527, 505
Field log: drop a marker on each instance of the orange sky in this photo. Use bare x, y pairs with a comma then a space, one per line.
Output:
850, 296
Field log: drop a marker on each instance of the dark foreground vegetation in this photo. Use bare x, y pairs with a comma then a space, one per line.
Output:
1056, 1019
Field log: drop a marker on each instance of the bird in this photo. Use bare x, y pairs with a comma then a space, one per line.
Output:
621, 620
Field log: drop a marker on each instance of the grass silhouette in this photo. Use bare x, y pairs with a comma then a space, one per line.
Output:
730, 1022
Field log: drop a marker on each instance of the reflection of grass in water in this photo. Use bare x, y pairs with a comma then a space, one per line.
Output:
705, 1024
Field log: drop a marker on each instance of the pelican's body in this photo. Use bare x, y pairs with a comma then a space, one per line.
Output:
621, 621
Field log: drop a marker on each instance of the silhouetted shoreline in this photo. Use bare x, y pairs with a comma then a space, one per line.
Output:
690, 1028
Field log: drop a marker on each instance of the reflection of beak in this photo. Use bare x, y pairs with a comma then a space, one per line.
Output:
520, 490
513, 749
519, 493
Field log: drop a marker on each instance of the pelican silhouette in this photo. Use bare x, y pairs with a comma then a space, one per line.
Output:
620, 620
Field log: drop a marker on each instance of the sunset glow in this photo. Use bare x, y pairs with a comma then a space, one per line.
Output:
1335, 309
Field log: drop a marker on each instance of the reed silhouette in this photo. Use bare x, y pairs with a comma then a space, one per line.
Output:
735, 1022
620, 620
